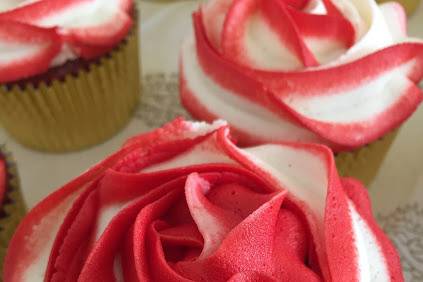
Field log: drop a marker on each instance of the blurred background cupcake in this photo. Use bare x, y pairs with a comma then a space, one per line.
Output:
12, 207
69, 71
337, 73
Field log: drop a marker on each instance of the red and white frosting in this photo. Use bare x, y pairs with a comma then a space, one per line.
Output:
184, 203
337, 72
38, 34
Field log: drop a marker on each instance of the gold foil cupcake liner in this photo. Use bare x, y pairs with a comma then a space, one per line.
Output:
410, 6
365, 162
12, 210
79, 111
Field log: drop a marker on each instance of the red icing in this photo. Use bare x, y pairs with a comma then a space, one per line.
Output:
202, 222
24, 25
46, 40
277, 14
104, 36
361, 200
226, 62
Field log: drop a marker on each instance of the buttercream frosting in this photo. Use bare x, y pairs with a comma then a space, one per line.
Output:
342, 73
48, 33
184, 203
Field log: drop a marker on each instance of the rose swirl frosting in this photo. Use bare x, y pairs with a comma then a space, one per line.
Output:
341, 73
184, 203
36, 35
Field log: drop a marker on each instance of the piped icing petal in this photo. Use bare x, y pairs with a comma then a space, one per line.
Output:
396, 18
25, 50
88, 28
251, 25
184, 203
339, 73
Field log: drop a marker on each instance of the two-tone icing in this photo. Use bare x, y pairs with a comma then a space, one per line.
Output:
184, 203
337, 72
36, 35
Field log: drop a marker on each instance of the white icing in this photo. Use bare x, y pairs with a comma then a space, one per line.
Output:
375, 29
203, 128
47, 230
199, 154
66, 54
357, 104
80, 15
395, 18
325, 50
373, 32
241, 113
265, 49
315, 7
16, 51
371, 262
214, 18
211, 228
357, 14
85, 14
287, 165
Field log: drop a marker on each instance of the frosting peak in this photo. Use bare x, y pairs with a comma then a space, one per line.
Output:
184, 203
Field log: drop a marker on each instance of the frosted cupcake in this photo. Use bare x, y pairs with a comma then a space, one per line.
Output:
12, 207
69, 72
184, 203
340, 73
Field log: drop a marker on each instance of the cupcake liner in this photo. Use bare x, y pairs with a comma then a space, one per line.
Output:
80, 110
365, 162
12, 210
410, 6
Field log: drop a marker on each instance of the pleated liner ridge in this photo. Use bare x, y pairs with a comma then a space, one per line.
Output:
80, 111
12, 210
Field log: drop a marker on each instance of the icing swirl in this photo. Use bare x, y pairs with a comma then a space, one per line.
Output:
341, 73
184, 203
36, 35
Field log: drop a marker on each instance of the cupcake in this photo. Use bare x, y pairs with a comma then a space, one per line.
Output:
184, 203
69, 72
336, 73
410, 6
12, 207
